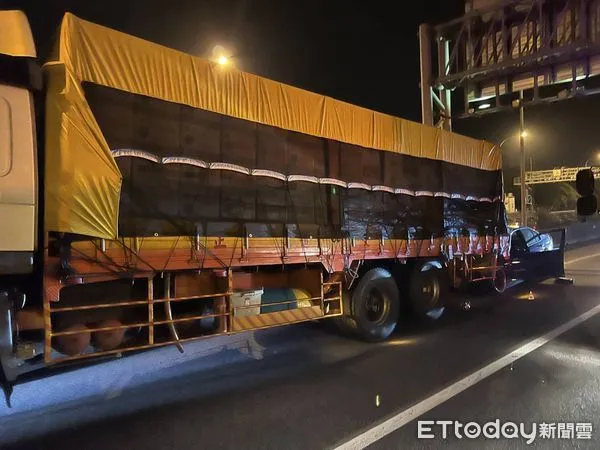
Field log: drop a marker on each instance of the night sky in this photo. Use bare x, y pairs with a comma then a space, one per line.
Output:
361, 52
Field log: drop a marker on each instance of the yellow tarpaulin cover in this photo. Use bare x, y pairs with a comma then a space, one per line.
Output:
83, 180
15, 35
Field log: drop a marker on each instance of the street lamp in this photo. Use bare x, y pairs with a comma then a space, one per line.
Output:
595, 157
523, 134
222, 56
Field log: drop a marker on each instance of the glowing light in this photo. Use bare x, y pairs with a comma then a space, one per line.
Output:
223, 56
484, 106
406, 341
529, 296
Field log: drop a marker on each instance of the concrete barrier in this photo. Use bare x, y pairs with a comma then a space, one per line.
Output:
582, 232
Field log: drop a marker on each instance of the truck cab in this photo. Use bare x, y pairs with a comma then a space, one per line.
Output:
18, 183
20, 78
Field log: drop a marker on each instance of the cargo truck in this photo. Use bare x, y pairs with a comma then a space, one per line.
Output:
149, 197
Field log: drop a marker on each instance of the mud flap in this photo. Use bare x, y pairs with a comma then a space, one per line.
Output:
7, 387
7, 375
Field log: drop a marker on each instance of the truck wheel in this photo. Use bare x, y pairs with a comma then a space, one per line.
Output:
375, 305
346, 323
428, 285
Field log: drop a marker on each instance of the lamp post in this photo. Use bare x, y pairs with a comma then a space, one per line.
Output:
595, 157
522, 134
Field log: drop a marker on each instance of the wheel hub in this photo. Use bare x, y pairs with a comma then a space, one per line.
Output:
375, 306
430, 293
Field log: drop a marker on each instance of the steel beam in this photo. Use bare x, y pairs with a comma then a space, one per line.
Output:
426, 74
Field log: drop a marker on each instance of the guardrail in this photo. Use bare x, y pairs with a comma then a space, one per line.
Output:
582, 232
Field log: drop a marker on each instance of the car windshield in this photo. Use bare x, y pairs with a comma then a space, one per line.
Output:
528, 234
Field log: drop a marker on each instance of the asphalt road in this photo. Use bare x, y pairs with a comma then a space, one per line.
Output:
307, 387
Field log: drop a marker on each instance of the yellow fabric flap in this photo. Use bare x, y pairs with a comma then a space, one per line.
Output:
83, 181
15, 35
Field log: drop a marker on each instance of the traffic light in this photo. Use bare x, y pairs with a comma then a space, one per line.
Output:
587, 204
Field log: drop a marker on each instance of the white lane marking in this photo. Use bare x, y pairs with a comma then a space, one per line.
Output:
582, 258
399, 420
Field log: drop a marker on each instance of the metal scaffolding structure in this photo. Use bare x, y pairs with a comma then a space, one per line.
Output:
509, 54
549, 49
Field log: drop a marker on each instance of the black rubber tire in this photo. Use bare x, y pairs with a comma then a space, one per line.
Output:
428, 287
346, 324
375, 305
